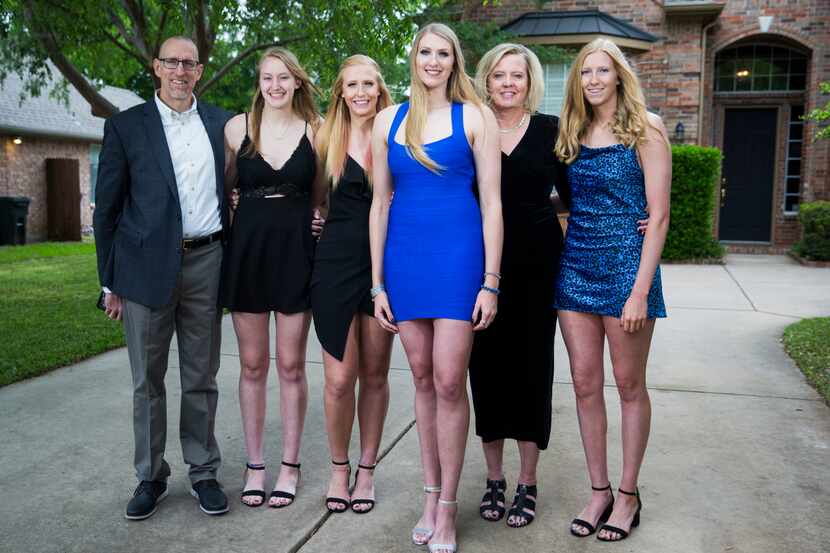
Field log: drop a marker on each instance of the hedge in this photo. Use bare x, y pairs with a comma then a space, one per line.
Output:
815, 220
695, 172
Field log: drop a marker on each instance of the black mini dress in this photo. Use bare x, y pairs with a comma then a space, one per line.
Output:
269, 255
342, 273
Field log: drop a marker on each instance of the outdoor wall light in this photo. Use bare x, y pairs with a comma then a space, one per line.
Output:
742, 73
679, 132
17, 140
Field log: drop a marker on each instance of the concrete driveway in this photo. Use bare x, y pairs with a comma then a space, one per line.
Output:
737, 462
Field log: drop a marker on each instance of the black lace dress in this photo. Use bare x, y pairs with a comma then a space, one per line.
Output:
268, 258
342, 273
511, 366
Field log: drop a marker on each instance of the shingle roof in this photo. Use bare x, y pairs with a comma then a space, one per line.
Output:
45, 116
586, 22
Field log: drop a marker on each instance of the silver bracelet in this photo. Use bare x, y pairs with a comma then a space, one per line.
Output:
374, 291
497, 275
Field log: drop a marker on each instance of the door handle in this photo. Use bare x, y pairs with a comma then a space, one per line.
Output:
722, 191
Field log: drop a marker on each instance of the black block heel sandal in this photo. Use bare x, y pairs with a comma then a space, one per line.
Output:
342, 505
606, 514
635, 522
493, 499
282, 494
252, 493
524, 505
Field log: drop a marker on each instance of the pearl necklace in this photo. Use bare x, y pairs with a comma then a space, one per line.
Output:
518, 125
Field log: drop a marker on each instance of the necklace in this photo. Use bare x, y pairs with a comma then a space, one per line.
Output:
517, 126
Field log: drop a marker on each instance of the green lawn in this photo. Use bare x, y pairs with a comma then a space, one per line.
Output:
808, 343
47, 309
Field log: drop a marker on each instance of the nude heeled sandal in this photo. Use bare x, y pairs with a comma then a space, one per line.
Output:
426, 532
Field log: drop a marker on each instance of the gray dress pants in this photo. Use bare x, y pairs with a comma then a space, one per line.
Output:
196, 319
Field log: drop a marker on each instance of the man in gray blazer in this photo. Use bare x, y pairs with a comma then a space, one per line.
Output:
159, 219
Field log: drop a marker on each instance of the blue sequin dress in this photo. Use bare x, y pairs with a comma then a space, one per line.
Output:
602, 245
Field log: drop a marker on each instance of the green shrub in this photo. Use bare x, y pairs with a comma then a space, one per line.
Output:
815, 220
695, 172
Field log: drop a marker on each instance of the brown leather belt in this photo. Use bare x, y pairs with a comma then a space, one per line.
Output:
193, 243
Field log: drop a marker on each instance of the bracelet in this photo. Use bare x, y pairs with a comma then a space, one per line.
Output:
497, 275
374, 291
486, 288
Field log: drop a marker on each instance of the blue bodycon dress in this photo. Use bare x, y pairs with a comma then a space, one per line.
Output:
602, 244
433, 262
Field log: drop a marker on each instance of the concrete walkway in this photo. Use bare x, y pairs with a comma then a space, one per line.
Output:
738, 461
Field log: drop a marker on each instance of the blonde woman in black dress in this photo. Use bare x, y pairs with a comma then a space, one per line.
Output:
511, 366
355, 347
267, 265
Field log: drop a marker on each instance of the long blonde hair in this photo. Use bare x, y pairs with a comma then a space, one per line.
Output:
302, 103
333, 136
630, 120
535, 74
459, 89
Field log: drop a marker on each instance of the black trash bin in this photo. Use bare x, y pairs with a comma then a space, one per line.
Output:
14, 211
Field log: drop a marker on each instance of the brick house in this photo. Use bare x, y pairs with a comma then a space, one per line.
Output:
41, 128
735, 74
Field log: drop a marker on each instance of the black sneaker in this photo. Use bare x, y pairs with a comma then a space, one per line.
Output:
211, 498
145, 500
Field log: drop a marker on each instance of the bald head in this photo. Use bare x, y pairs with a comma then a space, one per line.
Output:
178, 42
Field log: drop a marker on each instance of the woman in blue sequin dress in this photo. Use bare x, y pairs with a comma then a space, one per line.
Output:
436, 254
609, 286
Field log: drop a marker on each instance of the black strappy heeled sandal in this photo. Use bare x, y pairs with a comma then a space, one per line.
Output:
282, 494
493, 499
252, 493
370, 503
635, 522
606, 514
342, 504
524, 505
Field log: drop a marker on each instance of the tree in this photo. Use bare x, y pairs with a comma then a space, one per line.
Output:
821, 115
114, 41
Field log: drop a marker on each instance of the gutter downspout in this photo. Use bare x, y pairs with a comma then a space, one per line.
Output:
702, 80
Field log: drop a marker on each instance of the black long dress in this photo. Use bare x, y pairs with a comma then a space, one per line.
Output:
511, 366
268, 258
342, 273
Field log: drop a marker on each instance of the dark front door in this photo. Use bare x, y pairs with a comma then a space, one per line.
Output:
748, 167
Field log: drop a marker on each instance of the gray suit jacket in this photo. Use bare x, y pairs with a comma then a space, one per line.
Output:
137, 219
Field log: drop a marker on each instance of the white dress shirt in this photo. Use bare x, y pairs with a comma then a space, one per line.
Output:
193, 165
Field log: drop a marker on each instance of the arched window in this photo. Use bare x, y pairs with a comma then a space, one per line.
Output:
760, 68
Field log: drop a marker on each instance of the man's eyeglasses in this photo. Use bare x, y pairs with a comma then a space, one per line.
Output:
173, 63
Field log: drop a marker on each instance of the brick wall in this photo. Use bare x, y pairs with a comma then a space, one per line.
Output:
23, 173
671, 72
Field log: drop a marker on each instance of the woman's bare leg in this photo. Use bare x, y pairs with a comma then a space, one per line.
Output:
452, 343
292, 337
339, 403
629, 354
252, 335
373, 400
417, 338
584, 336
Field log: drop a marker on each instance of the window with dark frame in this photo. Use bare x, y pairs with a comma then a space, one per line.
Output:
760, 68
792, 172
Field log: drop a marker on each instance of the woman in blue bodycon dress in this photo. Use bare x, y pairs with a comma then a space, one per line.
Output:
436, 253
619, 161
